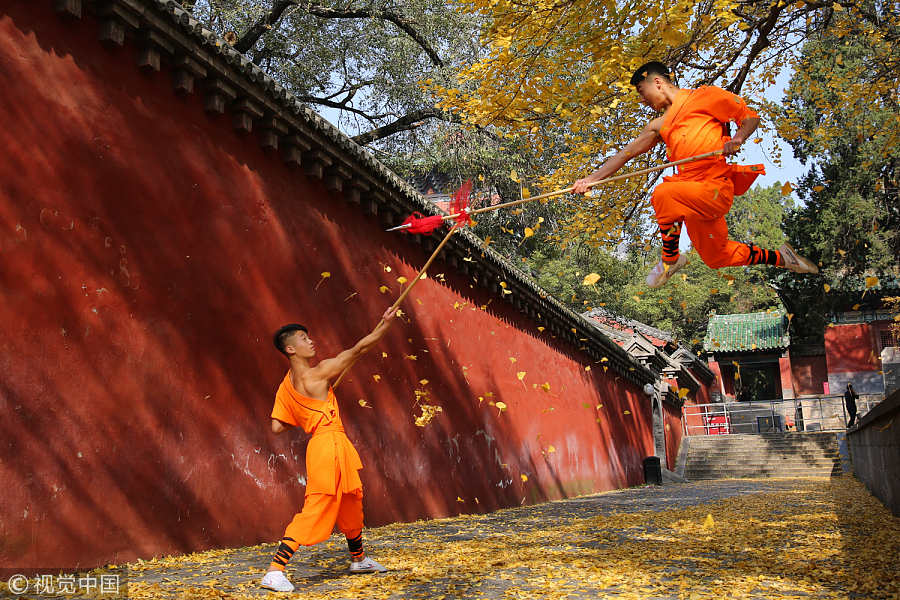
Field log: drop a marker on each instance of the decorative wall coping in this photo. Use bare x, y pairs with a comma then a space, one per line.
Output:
202, 62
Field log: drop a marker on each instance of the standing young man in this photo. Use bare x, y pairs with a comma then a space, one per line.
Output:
694, 122
306, 399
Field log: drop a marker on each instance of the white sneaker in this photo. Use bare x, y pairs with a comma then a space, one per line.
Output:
366, 565
660, 274
276, 581
794, 262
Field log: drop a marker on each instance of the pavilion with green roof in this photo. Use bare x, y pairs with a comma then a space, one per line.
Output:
749, 353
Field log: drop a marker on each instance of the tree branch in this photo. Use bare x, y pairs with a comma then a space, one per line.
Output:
761, 43
270, 19
407, 122
401, 22
267, 22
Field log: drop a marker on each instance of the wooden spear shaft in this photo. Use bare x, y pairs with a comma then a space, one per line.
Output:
571, 188
408, 289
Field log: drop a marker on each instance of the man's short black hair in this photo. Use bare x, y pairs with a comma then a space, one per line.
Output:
651, 68
284, 333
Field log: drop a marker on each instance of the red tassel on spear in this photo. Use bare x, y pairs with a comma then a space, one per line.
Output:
459, 211
423, 225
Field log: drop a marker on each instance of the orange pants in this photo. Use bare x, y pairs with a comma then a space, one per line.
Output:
315, 522
701, 206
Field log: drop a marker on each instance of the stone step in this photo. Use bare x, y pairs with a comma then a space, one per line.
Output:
731, 447
753, 476
714, 451
794, 454
775, 435
761, 456
756, 437
764, 463
773, 444
726, 471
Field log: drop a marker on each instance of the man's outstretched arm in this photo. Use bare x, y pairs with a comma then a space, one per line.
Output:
330, 368
648, 138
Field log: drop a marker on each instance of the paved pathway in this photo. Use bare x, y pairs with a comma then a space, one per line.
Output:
775, 538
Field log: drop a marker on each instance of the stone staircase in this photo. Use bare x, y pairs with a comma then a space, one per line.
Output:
760, 455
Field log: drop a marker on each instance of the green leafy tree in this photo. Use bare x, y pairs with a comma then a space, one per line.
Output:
364, 60
849, 221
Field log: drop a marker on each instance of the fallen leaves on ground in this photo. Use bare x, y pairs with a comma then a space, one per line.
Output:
775, 538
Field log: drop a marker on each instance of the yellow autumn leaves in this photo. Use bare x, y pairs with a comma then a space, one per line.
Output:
826, 539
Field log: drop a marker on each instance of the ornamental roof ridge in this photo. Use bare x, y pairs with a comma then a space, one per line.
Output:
636, 325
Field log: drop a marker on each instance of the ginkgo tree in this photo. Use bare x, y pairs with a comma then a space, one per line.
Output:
556, 72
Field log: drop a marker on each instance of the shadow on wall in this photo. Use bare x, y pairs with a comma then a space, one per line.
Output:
149, 252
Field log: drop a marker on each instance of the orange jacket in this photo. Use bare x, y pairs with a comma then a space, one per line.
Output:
330, 457
694, 125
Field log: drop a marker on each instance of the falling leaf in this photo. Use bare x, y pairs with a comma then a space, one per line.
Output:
546, 386
512, 359
709, 523
871, 282
501, 406
524, 477
458, 499
401, 280
521, 375
384, 355
410, 357
429, 412
818, 188
423, 382
325, 275
827, 288
529, 232
551, 449
540, 328
587, 368
627, 412
364, 404
591, 279
387, 269
786, 189
514, 176
856, 307
683, 392
383, 289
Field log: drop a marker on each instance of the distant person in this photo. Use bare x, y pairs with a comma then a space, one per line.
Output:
850, 397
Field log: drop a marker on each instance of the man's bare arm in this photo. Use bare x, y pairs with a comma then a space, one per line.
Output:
748, 126
278, 426
648, 138
330, 368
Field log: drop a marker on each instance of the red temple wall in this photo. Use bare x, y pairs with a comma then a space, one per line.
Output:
148, 252
809, 373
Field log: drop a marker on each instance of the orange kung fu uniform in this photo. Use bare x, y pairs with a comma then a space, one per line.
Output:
333, 487
702, 192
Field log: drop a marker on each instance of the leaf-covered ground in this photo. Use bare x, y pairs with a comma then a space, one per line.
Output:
776, 538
